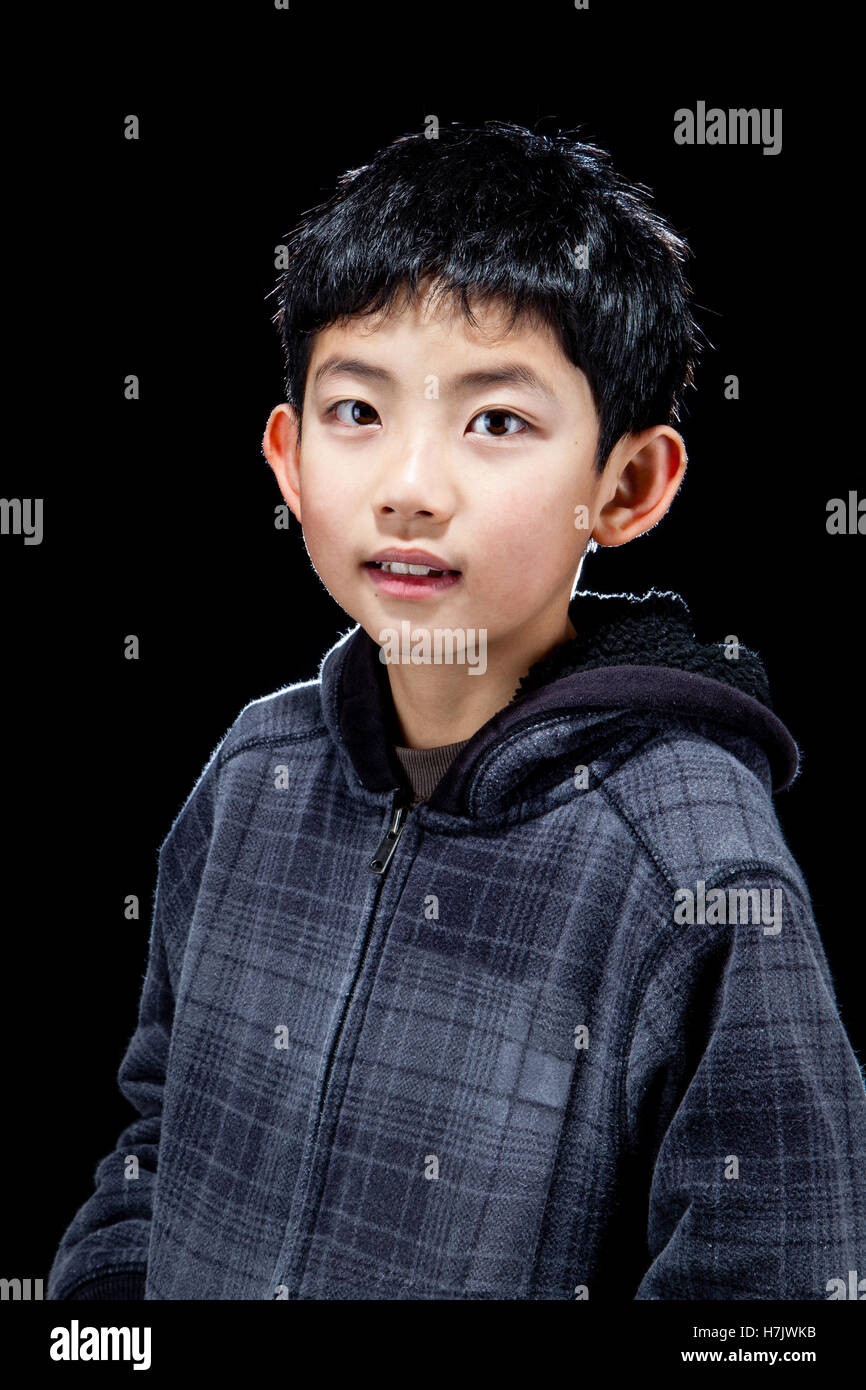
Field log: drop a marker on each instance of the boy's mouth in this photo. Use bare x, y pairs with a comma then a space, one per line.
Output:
407, 560
412, 577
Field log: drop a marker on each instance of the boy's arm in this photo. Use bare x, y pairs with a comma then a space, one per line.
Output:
744, 1095
103, 1253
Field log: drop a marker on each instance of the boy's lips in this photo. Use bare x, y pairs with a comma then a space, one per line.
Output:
396, 555
410, 586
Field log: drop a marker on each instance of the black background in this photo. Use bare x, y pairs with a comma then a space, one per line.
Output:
156, 258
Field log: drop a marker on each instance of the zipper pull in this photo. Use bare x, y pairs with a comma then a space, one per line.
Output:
382, 858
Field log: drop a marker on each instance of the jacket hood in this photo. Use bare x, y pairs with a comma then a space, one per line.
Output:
634, 669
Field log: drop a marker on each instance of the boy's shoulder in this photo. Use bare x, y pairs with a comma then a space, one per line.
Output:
292, 712
286, 715
700, 805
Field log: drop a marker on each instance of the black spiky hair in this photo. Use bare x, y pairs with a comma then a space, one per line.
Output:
542, 224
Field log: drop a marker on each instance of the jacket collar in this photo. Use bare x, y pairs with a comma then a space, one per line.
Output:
634, 664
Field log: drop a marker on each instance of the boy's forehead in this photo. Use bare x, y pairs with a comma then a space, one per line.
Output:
444, 324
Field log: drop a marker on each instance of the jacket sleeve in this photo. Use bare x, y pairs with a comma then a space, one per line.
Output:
103, 1253
744, 1093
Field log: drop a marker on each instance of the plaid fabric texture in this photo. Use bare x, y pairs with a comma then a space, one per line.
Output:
501, 1069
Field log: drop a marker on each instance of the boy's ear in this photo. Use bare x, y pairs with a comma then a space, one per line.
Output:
645, 471
281, 447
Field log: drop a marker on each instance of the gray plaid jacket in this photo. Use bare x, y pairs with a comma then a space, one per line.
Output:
564, 1030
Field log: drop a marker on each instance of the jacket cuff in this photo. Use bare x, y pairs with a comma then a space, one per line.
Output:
125, 1284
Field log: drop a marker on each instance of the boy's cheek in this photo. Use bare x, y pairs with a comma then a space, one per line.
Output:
334, 539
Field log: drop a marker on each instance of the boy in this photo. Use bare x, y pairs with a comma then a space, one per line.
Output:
489, 977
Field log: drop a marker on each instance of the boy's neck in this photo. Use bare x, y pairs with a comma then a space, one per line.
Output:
443, 703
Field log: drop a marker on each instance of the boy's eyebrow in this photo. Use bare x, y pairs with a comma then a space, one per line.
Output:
498, 374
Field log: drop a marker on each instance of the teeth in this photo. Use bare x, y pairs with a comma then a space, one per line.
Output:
396, 568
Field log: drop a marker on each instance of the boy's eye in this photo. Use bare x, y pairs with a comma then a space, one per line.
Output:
354, 415
496, 420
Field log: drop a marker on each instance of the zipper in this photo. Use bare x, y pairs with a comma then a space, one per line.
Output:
379, 864
382, 858
294, 1273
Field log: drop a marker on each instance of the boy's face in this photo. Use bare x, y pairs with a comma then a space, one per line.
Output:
406, 445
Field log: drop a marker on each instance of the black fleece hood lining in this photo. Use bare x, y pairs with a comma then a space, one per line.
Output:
629, 653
